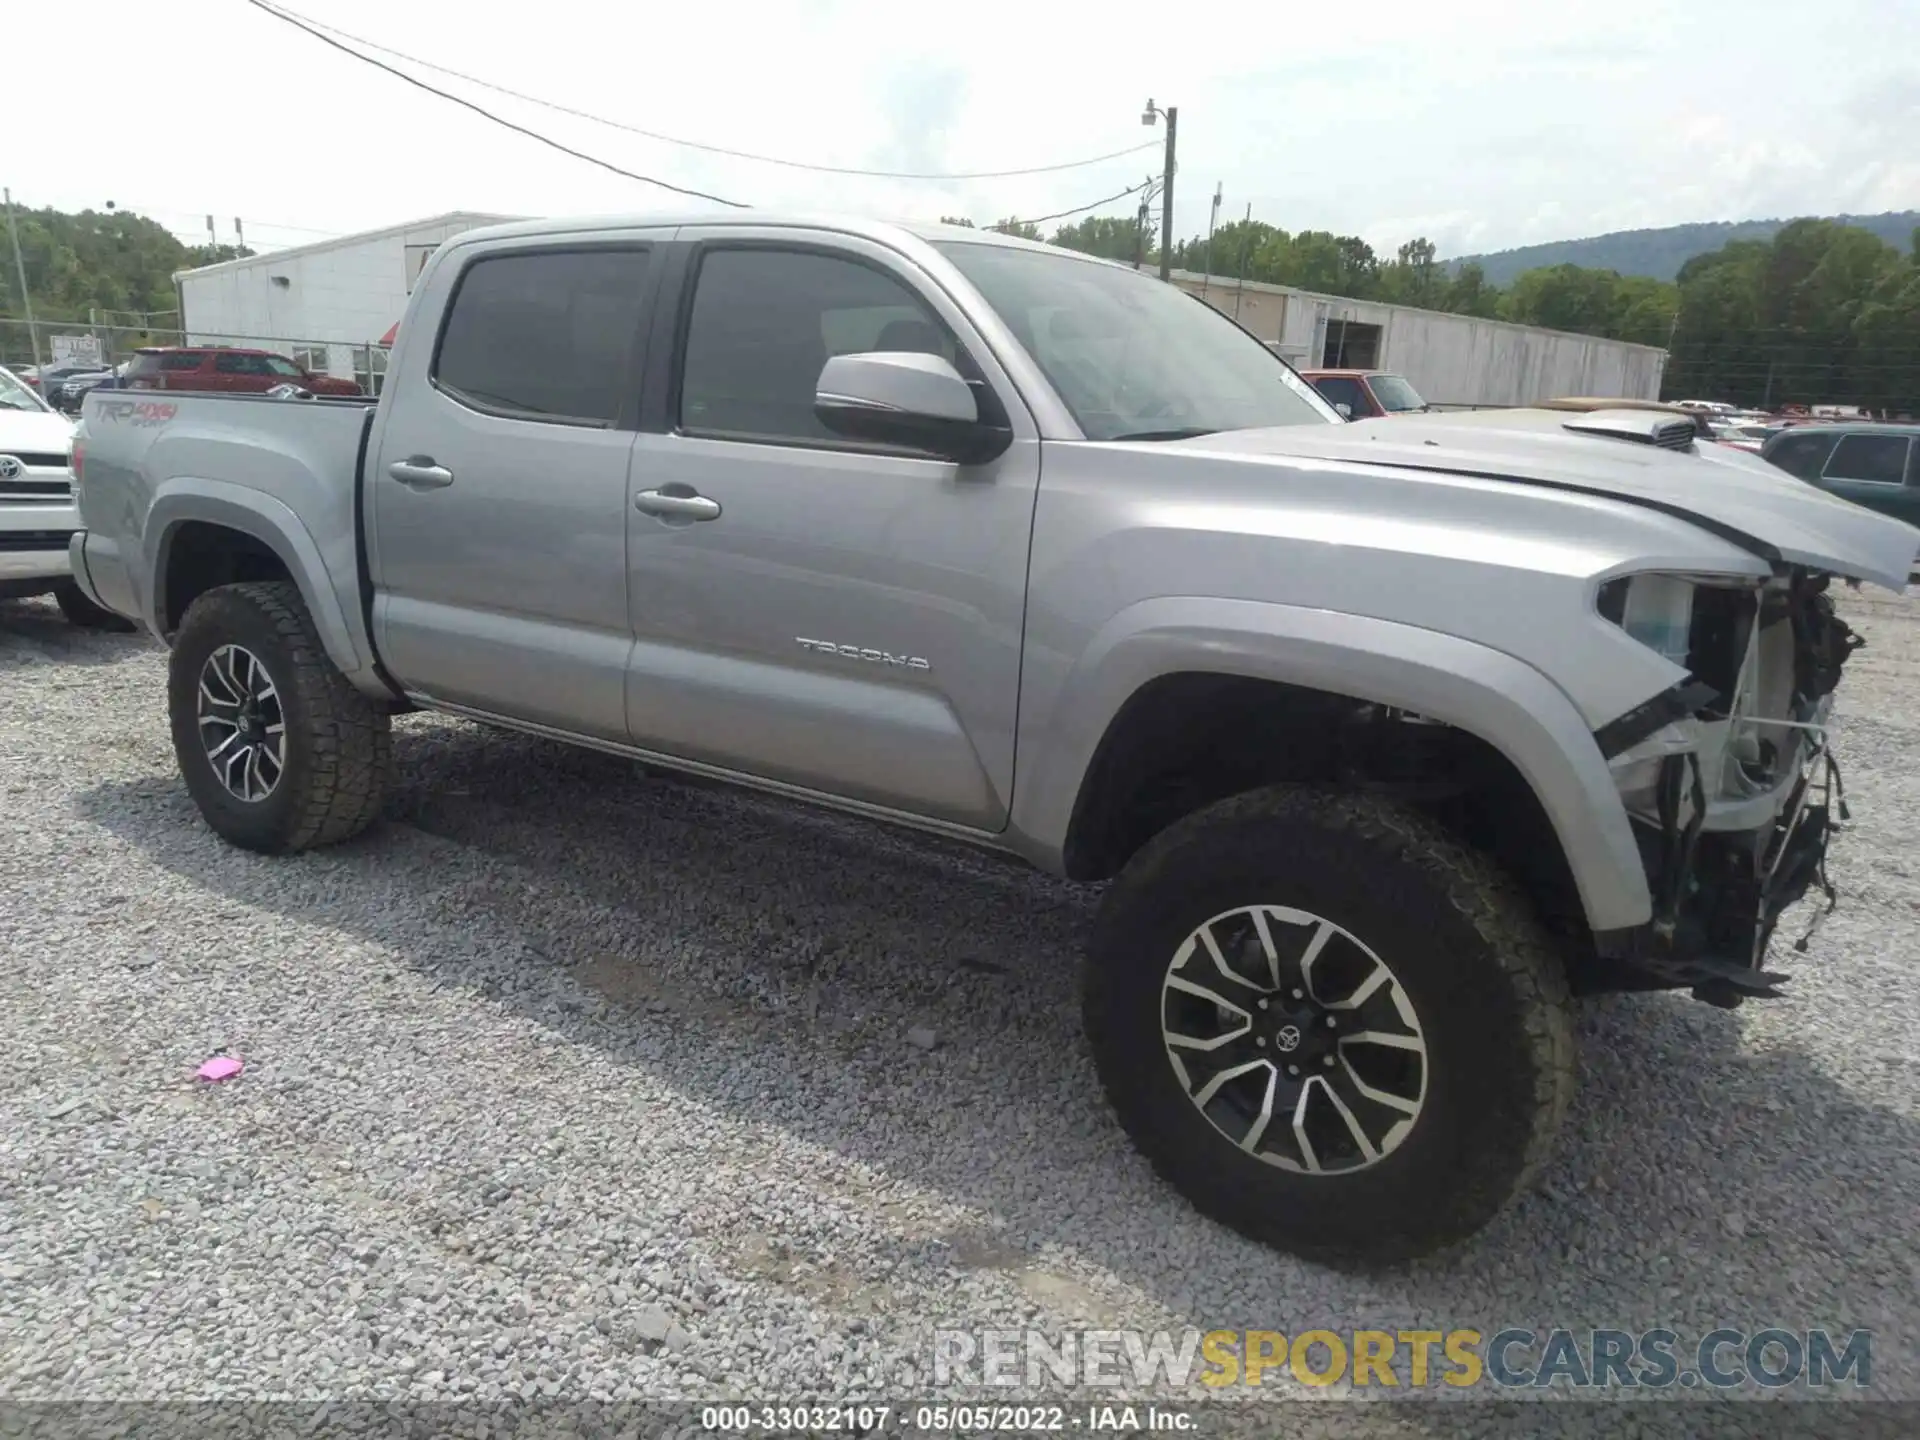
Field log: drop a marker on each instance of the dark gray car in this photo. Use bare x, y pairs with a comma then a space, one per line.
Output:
1877, 466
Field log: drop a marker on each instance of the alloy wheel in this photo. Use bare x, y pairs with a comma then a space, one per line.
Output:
1294, 1039
242, 727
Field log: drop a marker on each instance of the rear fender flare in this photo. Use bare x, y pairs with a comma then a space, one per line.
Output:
273, 524
1490, 694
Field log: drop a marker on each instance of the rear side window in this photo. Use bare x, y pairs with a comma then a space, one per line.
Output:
240, 365
1801, 455
1876, 459
181, 362
546, 336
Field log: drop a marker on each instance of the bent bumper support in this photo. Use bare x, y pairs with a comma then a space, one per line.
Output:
1727, 894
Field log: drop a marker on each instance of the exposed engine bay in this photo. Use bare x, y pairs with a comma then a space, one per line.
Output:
1728, 778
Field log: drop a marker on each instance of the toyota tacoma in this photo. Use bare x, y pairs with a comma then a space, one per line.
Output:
1386, 738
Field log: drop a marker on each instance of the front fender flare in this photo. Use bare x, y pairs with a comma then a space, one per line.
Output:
1490, 694
273, 524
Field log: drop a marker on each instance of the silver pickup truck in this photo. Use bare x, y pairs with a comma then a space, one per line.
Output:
1388, 736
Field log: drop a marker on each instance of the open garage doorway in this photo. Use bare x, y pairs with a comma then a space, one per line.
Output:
1351, 345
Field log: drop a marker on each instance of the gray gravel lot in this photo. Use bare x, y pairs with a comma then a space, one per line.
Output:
574, 1080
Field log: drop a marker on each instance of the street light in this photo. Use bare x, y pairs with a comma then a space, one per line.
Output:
1172, 116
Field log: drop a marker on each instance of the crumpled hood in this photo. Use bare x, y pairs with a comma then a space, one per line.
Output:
1738, 496
34, 431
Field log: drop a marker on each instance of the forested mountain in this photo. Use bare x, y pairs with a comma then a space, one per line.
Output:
1659, 254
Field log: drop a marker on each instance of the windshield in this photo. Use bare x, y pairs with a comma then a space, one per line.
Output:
16, 396
1395, 394
1133, 358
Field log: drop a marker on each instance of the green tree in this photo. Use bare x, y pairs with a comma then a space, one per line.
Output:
1112, 237
111, 261
1822, 313
1470, 293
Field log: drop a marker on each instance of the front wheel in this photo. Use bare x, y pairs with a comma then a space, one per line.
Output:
278, 750
1329, 1025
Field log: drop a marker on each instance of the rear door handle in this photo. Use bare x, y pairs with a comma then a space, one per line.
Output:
421, 473
677, 507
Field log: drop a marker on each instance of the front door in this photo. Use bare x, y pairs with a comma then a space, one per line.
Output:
806, 609
497, 488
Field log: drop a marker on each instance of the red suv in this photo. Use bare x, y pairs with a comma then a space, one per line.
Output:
235, 371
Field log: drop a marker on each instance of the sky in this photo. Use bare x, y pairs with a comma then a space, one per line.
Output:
1480, 124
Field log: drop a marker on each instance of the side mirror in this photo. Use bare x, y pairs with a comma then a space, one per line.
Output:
909, 399
1346, 410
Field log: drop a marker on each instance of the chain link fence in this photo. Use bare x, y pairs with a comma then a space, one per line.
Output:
104, 347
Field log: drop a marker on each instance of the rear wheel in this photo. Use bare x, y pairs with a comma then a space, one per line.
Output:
277, 749
81, 611
1329, 1025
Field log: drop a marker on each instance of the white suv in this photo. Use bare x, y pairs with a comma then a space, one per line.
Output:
37, 513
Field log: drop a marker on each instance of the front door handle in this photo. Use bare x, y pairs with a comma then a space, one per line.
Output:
421, 473
677, 507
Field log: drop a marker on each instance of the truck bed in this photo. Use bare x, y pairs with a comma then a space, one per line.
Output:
148, 455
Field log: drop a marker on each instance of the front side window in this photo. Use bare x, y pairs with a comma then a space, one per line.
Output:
1130, 357
292, 371
1875, 459
1396, 395
545, 336
766, 321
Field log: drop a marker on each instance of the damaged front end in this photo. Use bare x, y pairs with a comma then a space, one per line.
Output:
1729, 777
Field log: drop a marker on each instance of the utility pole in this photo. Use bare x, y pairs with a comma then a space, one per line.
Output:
1246, 251
1172, 116
1166, 197
1213, 219
239, 235
1140, 224
20, 268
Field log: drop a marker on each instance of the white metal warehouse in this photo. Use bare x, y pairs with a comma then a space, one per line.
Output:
1451, 359
332, 306
329, 306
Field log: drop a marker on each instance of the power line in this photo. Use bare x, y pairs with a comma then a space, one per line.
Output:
300, 24
1080, 209
721, 149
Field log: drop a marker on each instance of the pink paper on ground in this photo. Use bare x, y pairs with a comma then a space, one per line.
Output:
221, 1067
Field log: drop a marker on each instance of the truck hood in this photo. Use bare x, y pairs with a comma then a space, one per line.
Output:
34, 431
1737, 496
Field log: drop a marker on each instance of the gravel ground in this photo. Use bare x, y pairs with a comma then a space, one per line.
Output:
572, 1080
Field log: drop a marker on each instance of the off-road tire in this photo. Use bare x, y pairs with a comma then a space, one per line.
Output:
338, 743
81, 611
1483, 977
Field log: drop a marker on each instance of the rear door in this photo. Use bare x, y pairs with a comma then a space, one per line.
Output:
497, 482
1871, 470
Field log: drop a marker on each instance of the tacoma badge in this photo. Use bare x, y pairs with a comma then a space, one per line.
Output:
856, 652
